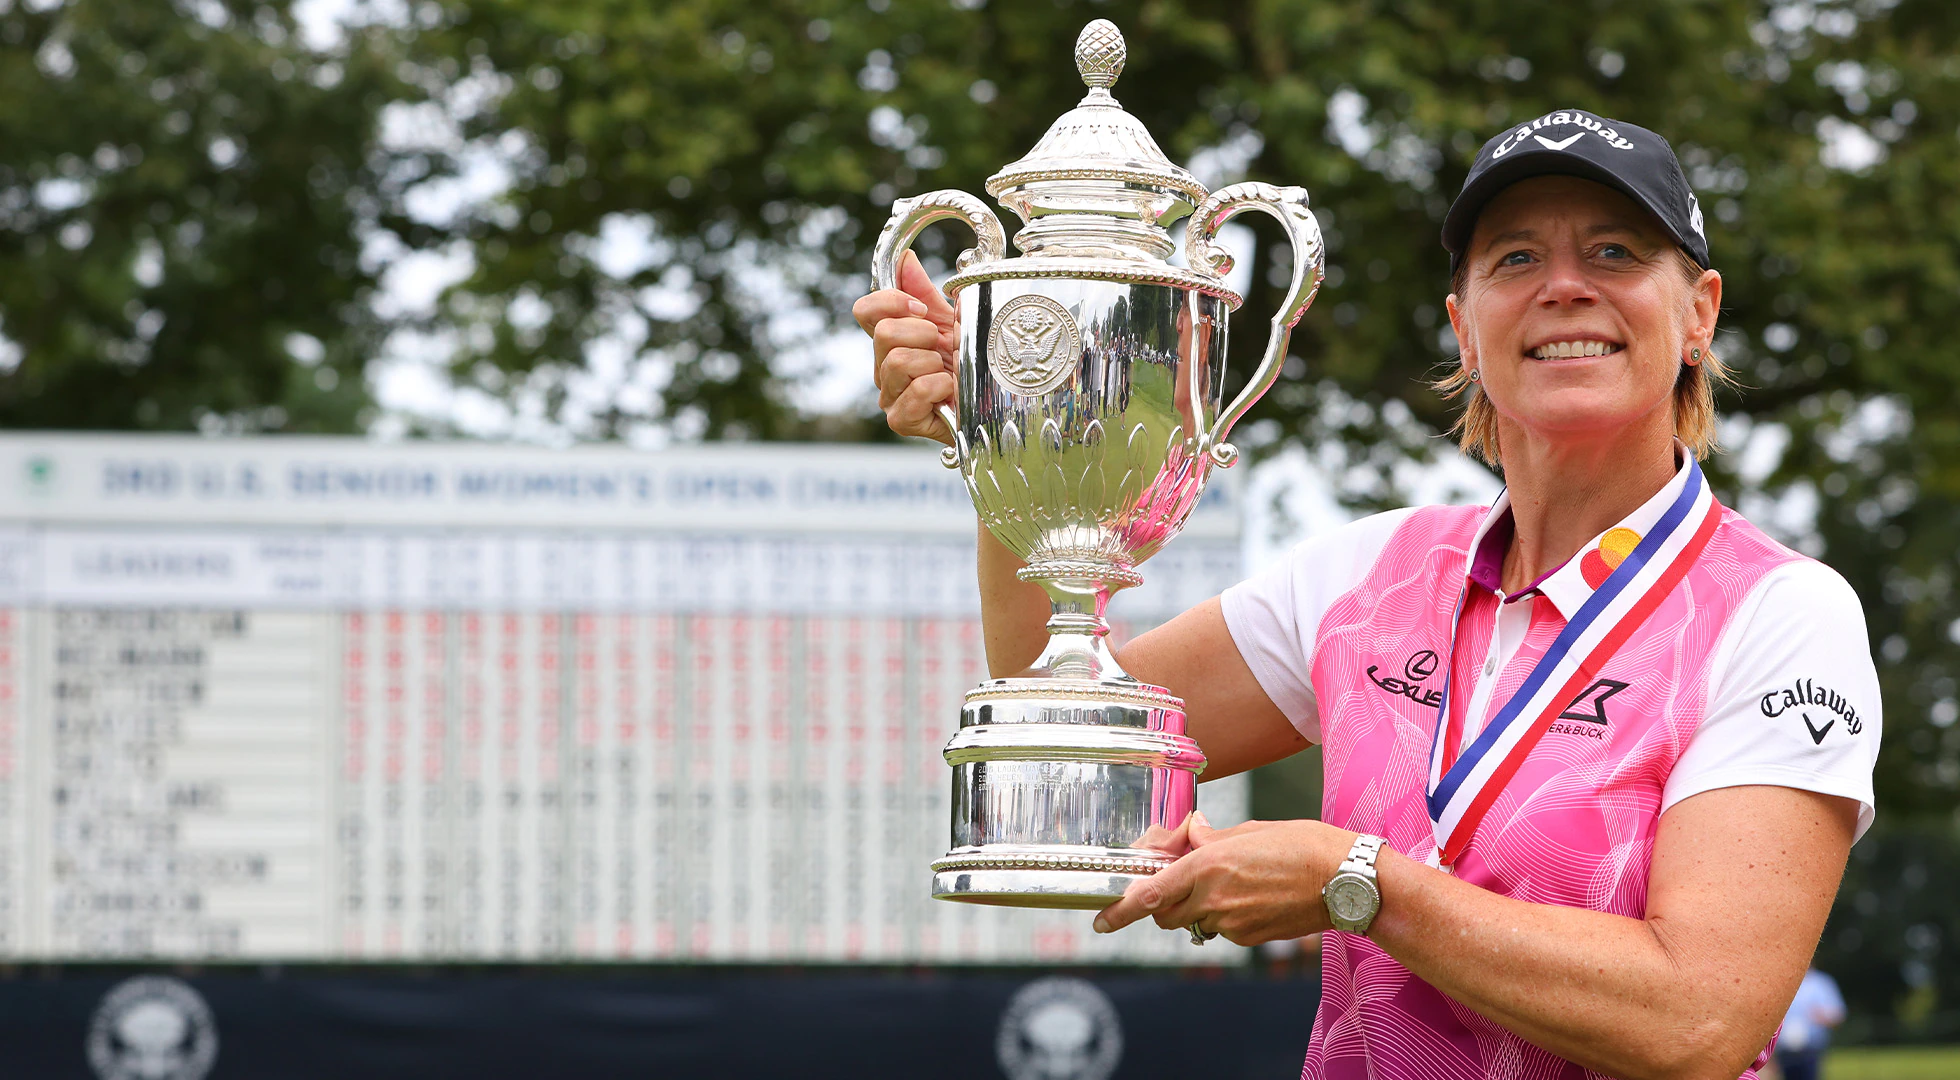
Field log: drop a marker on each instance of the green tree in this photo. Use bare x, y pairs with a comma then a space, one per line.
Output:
1889, 937
187, 193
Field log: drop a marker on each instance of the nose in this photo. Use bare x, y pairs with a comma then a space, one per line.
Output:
1566, 281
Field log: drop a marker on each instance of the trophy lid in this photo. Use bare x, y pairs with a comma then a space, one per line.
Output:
1098, 159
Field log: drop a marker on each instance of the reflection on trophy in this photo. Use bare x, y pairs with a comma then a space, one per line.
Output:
1091, 380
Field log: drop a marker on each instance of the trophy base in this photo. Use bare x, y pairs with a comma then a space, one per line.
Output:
1069, 890
1053, 781
1081, 879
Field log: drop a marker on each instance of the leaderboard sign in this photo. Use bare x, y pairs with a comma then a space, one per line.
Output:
333, 700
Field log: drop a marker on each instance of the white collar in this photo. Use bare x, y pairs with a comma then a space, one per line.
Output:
1566, 587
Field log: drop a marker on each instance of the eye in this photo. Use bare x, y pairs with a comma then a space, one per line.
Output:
1614, 251
1515, 258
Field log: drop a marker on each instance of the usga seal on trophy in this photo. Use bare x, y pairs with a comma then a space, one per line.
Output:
1090, 413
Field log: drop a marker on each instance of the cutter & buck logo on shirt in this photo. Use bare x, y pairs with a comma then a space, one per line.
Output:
1588, 710
1556, 140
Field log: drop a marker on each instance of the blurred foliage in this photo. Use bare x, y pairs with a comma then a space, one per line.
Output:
185, 192
1893, 935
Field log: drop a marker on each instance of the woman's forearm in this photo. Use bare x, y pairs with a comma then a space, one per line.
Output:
1013, 613
1598, 989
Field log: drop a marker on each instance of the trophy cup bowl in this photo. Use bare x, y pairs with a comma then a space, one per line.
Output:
1089, 415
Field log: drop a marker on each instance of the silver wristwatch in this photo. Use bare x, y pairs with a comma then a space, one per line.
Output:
1351, 895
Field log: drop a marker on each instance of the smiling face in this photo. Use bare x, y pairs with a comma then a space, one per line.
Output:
1576, 312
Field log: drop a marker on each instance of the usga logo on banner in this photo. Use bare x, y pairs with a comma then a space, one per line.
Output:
152, 1027
1059, 1028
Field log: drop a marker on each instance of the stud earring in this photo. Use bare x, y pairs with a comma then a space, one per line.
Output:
1694, 356
1475, 375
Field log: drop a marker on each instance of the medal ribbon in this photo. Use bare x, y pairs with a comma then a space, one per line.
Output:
1461, 790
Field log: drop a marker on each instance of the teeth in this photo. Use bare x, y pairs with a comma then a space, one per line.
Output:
1559, 350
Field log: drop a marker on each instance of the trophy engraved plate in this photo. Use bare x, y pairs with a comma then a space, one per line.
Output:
1090, 412
1034, 344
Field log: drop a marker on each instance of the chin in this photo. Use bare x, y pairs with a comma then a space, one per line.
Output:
1575, 413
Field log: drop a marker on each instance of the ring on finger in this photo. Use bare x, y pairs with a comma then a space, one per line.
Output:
1200, 935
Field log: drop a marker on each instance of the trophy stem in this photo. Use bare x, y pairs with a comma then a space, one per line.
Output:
1078, 623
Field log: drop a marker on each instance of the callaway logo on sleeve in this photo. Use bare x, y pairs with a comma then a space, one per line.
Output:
1821, 708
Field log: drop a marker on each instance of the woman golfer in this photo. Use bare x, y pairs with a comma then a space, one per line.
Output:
1596, 754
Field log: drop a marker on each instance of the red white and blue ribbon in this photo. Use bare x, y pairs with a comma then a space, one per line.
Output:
1462, 788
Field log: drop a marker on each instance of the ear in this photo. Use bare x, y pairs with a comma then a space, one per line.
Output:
1466, 346
1705, 306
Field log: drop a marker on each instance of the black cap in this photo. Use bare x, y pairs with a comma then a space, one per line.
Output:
1572, 142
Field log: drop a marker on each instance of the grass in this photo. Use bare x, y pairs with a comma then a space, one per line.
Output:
1893, 1063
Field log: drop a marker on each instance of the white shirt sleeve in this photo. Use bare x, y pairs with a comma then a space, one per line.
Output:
1274, 616
1794, 695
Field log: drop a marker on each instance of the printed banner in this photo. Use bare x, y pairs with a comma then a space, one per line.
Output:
434, 729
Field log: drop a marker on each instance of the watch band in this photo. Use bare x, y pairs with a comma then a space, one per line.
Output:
1361, 857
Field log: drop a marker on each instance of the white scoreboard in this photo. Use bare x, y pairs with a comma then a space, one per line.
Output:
326, 699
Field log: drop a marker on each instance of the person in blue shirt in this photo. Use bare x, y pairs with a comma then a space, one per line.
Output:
1817, 1008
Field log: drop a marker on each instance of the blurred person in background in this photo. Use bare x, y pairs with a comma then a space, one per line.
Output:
1287, 958
1806, 1034
1607, 842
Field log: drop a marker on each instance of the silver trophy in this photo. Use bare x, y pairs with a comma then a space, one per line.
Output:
1091, 379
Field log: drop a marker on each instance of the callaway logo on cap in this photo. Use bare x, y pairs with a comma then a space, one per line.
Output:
1572, 142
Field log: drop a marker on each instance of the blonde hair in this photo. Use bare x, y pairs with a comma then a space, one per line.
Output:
1694, 391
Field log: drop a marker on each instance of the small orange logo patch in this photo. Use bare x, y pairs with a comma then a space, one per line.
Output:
1614, 547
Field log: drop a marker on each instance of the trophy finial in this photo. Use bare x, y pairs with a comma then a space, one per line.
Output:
1098, 140
1099, 54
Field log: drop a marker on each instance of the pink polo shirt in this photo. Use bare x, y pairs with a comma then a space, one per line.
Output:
1754, 670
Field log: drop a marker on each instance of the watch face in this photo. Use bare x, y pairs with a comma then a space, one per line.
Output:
1350, 900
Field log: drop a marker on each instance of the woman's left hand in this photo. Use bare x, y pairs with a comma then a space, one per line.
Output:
1255, 882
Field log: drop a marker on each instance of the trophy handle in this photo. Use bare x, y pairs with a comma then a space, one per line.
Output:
1289, 206
910, 218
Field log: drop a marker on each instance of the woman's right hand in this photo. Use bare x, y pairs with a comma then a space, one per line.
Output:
915, 343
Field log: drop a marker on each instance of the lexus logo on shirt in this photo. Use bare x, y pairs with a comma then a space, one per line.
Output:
1415, 670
